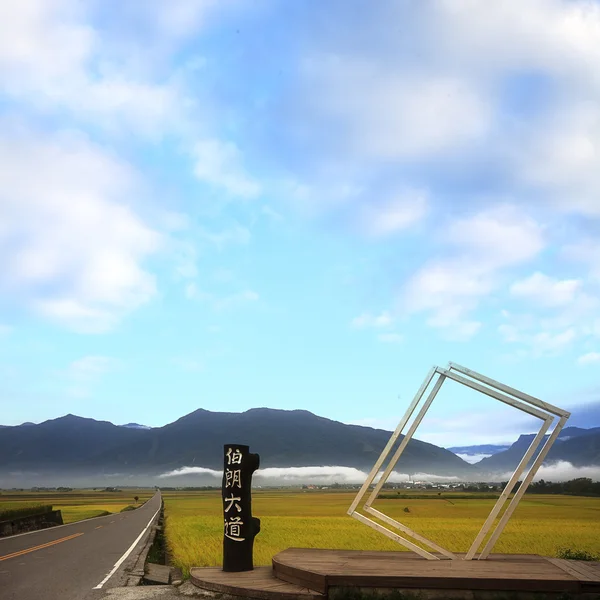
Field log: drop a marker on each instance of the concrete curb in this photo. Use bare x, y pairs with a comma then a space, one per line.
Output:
136, 574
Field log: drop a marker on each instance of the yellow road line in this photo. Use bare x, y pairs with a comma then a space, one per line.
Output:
21, 552
99, 527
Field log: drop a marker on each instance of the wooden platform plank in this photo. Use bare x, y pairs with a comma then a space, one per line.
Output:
587, 573
308, 578
320, 569
259, 583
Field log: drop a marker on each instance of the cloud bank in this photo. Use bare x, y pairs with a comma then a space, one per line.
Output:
326, 475
300, 475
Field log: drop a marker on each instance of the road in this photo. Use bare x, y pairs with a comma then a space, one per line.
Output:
78, 561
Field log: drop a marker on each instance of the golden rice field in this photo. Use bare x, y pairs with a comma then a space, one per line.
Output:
541, 524
78, 504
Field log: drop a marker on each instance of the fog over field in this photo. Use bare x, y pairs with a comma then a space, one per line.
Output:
561, 471
271, 476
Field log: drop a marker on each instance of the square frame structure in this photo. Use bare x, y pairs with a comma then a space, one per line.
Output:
533, 406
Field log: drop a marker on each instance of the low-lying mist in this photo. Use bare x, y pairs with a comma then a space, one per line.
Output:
271, 476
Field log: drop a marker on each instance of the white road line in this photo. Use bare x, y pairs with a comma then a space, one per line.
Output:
120, 561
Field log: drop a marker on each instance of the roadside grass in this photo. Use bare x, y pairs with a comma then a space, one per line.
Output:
78, 504
15, 510
71, 513
71, 516
541, 525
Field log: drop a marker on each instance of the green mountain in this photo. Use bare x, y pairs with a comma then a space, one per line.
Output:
580, 447
282, 438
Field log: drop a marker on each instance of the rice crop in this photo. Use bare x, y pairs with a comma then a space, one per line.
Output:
293, 518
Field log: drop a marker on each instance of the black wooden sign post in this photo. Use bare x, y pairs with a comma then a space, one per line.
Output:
240, 526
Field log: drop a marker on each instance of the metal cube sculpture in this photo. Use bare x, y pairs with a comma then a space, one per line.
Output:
533, 406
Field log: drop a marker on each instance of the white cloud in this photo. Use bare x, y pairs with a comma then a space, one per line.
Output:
548, 343
72, 249
542, 343
550, 35
479, 424
546, 291
390, 338
473, 458
562, 157
406, 209
192, 471
387, 112
314, 474
585, 251
500, 236
41, 41
558, 150
499, 424
178, 18
455, 99
365, 320
561, 471
52, 58
591, 358
220, 164
570, 307
480, 247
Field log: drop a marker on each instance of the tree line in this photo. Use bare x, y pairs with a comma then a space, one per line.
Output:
582, 486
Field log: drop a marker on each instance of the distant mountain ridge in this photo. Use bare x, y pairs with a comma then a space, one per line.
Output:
297, 438
282, 438
481, 449
580, 447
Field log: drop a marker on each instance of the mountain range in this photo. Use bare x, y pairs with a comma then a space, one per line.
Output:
296, 438
576, 445
73, 446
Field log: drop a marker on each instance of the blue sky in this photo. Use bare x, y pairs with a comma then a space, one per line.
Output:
227, 204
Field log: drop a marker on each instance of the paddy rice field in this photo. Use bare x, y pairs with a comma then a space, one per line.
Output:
542, 524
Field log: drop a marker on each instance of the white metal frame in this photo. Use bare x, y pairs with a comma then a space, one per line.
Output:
524, 402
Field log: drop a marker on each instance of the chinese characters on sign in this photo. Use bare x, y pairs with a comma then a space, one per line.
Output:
240, 527
233, 478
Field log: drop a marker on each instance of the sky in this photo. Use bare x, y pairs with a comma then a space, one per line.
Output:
299, 205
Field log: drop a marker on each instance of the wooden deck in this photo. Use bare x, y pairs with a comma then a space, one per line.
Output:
320, 570
260, 583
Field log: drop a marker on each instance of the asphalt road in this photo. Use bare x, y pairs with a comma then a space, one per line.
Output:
69, 562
